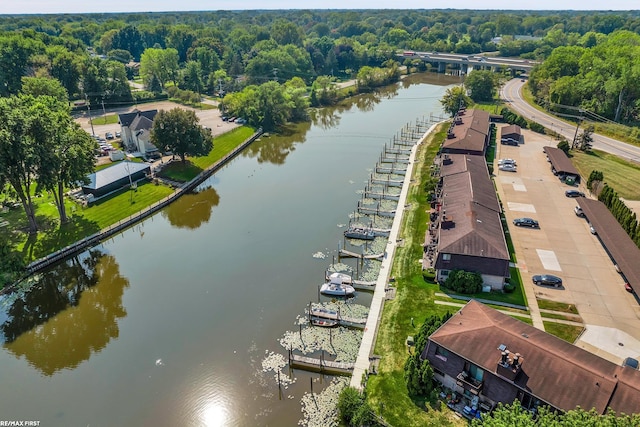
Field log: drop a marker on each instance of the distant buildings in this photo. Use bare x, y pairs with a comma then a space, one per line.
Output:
136, 129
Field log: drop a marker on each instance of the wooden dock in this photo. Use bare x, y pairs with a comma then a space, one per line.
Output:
348, 321
320, 365
376, 211
397, 150
381, 196
388, 182
348, 254
391, 170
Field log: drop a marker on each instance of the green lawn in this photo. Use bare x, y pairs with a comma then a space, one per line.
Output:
84, 221
109, 119
222, 145
557, 306
620, 174
516, 297
568, 333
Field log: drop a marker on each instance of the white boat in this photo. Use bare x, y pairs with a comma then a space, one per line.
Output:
337, 289
339, 278
327, 323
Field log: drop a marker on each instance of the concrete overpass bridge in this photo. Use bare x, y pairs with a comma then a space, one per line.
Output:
467, 63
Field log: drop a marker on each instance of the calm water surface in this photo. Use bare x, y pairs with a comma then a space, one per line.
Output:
169, 322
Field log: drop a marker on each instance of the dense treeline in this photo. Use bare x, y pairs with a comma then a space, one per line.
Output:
208, 51
625, 216
599, 74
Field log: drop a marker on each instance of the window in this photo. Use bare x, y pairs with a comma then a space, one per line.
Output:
446, 257
442, 353
473, 371
444, 272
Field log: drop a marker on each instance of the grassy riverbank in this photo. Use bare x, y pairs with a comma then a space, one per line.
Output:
85, 221
414, 300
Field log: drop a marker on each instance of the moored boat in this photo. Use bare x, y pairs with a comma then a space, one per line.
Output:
327, 323
362, 233
339, 278
337, 289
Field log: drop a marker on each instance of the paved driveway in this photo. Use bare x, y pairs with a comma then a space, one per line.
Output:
210, 118
563, 246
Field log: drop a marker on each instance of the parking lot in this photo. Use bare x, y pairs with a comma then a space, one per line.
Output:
564, 246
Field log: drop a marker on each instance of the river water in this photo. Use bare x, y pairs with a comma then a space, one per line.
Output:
169, 322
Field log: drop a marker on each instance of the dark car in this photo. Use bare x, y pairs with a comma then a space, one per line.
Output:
526, 222
630, 362
547, 280
573, 193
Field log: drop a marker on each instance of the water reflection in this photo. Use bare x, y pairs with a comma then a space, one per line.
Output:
193, 209
69, 314
276, 150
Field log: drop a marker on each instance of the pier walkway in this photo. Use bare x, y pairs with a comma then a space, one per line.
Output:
363, 361
319, 364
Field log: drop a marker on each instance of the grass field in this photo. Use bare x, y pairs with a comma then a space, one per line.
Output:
557, 306
109, 119
84, 221
568, 333
222, 145
620, 174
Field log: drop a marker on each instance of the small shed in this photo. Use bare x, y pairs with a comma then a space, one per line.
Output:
115, 177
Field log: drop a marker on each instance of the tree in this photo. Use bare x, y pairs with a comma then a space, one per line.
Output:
18, 157
585, 139
354, 410
39, 86
178, 130
453, 99
161, 64
515, 415
68, 159
15, 54
481, 85
192, 77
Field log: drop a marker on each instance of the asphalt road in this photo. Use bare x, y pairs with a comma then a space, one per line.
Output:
510, 93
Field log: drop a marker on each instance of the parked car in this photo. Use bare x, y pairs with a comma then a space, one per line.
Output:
578, 211
240, 121
573, 193
547, 280
108, 135
630, 362
507, 161
627, 287
508, 168
526, 222
592, 230
509, 141
118, 134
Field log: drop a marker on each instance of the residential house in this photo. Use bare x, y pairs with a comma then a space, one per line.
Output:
466, 222
488, 357
469, 133
136, 130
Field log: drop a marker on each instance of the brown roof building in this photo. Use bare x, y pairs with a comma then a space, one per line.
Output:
469, 133
488, 357
622, 250
561, 166
470, 235
511, 133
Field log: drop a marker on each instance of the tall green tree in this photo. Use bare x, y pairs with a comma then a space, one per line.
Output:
161, 64
40, 86
15, 54
178, 130
453, 99
481, 85
20, 151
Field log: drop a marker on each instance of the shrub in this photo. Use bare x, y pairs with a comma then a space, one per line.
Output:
564, 146
537, 127
509, 288
429, 275
465, 282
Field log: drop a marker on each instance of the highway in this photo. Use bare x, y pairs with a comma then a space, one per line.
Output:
510, 94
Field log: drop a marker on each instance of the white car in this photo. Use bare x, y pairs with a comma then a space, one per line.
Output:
508, 168
506, 161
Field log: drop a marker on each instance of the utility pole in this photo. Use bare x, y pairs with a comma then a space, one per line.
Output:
275, 74
89, 111
220, 87
104, 112
575, 136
